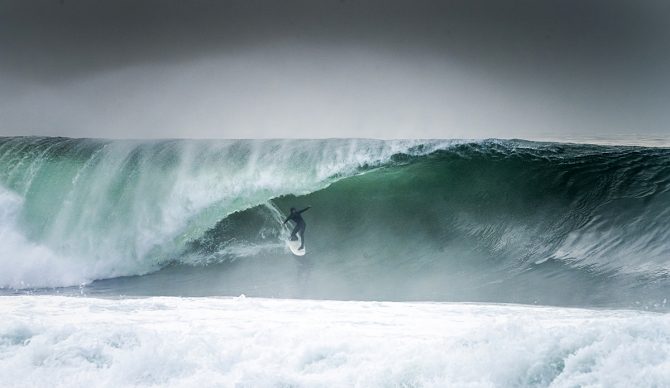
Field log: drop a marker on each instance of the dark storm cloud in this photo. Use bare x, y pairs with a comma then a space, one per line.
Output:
50, 39
582, 63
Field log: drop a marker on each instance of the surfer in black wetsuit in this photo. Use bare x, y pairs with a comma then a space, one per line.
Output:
299, 225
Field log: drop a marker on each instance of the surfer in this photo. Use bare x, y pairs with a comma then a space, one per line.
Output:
299, 225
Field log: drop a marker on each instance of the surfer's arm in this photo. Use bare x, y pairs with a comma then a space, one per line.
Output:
286, 220
305, 209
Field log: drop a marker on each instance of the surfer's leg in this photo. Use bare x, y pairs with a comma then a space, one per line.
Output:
293, 234
302, 237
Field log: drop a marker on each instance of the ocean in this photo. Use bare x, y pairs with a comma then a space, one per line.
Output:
478, 263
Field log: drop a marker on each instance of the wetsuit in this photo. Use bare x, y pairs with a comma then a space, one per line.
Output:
299, 225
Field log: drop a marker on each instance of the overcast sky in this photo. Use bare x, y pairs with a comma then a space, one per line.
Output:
384, 69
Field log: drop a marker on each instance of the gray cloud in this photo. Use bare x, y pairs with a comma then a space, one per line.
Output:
141, 68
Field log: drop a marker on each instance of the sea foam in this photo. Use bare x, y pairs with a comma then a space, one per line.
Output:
186, 342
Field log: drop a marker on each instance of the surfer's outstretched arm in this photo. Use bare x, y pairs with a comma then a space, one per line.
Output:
305, 209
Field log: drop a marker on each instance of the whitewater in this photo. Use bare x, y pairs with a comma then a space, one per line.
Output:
251, 342
431, 263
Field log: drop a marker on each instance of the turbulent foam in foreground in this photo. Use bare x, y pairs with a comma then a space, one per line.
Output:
248, 342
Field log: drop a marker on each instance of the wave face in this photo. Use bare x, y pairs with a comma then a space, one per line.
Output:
506, 221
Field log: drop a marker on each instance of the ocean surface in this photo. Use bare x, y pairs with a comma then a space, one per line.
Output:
429, 263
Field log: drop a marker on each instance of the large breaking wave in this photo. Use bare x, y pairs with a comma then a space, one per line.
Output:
509, 221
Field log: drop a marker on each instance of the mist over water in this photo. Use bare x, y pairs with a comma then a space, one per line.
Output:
491, 221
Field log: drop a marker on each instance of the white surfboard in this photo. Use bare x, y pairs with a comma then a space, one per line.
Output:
294, 245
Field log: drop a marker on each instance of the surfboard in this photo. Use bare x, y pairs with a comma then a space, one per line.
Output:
294, 245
